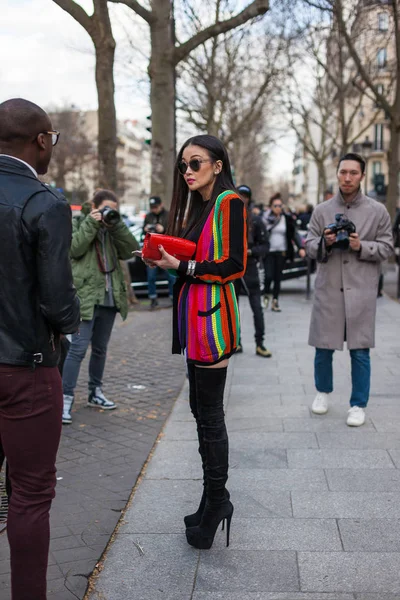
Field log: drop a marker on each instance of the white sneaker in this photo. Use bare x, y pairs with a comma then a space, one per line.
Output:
66, 415
356, 416
320, 404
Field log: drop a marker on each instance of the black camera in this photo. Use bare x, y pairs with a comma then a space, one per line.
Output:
151, 228
110, 216
342, 227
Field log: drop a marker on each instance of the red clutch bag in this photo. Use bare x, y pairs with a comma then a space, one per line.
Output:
180, 248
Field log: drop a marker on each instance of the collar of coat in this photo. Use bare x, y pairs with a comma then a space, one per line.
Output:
355, 202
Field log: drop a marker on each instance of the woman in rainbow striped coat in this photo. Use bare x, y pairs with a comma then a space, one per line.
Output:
206, 209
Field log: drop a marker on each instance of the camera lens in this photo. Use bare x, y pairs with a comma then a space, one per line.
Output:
110, 216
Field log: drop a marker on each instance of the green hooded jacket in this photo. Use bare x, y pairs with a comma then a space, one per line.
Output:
89, 280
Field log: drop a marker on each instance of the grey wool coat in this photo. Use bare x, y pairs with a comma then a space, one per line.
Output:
346, 284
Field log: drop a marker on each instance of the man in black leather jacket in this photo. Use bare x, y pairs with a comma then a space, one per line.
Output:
37, 303
257, 244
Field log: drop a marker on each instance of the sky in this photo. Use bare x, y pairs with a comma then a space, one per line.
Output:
48, 58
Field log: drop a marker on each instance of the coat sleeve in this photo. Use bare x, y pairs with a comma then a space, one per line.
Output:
124, 242
382, 247
261, 245
232, 263
57, 295
313, 240
83, 234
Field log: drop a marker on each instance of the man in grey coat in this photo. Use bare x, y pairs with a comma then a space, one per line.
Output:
346, 284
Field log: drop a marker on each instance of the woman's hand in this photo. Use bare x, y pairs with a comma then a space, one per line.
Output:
302, 253
167, 261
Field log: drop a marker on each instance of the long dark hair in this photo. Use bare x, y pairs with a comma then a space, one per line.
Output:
190, 213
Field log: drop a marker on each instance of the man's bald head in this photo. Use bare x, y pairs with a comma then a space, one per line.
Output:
21, 120
21, 123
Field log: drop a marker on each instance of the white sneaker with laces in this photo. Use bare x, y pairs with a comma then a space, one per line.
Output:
320, 404
67, 407
356, 416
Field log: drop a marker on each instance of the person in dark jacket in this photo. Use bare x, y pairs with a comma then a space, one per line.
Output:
282, 235
156, 221
256, 249
38, 302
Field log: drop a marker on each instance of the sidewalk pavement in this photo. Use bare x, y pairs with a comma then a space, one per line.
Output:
317, 510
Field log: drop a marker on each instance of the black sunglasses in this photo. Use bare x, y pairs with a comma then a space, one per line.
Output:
194, 164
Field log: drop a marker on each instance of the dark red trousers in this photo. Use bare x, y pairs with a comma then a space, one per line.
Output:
30, 428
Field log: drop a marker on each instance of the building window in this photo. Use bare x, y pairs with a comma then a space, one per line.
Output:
376, 167
381, 58
381, 90
383, 21
378, 144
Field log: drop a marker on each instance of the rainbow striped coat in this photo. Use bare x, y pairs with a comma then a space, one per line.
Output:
208, 326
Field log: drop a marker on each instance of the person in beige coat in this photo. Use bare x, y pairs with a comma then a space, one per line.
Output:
346, 284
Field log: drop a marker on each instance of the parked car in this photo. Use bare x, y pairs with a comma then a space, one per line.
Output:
295, 268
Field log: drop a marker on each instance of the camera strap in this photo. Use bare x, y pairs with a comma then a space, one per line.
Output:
100, 260
322, 254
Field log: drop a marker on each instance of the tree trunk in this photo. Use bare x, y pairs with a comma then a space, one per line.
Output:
107, 142
162, 100
321, 182
394, 167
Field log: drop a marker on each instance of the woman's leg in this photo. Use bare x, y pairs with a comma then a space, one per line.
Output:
279, 263
194, 519
102, 328
76, 353
210, 385
268, 272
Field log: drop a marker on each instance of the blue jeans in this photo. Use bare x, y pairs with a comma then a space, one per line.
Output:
97, 332
360, 374
151, 281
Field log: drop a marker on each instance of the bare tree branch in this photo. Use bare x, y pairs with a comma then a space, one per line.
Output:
76, 11
140, 10
255, 9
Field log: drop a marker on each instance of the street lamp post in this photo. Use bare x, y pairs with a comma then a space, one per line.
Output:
367, 149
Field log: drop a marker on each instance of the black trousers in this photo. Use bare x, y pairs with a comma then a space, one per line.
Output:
252, 282
274, 263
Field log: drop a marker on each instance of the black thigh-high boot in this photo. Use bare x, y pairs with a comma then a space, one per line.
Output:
194, 519
210, 385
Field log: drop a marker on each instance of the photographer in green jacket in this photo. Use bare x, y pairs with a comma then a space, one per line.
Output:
100, 239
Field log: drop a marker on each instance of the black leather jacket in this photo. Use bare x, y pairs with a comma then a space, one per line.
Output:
257, 241
37, 298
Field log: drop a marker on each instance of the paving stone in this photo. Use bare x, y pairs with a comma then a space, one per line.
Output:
316, 535
271, 596
356, 438
350, 572
278, 480
272, 440
245, 456
176, 460
346, 505
247, 571
363, 480
248, 424
280, 412
324, 424
339, 458
165, 565
370, 535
